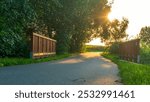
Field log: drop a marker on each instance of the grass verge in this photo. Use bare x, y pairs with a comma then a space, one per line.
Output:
131, 73
20, 61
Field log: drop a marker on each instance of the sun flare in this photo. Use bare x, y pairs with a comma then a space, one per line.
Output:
117, 13
136, 11
111, 16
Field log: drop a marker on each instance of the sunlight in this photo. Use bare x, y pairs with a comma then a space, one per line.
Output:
113, 16
96, 41
136, 11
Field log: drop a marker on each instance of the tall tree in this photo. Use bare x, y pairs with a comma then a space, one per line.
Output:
83, 17
70, 20
47, 15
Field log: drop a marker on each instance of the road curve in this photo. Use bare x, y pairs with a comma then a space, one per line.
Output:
85, 69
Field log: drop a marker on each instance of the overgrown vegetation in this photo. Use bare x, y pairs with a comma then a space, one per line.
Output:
144, 54
145, 45
20, 61
131, 73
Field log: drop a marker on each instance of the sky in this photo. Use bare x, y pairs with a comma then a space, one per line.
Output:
136, 11
96, 41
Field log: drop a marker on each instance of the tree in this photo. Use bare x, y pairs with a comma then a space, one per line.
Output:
46, 15
75, 20
71, 21
111, 32
118, 29
16, 16
114, 31
145, 35
82, 23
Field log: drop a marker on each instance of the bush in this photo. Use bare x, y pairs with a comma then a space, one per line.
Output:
12, 44
145, 53
114, 48
16, 16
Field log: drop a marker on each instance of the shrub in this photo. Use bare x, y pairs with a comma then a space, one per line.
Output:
12, 44
145, 53
114, 48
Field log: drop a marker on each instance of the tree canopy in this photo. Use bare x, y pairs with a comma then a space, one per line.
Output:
71, 23
113, 31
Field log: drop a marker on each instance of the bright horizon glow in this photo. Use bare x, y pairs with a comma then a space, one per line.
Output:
136, 11
96, 41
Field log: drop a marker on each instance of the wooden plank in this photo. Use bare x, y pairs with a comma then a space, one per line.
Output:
43, 54
42, 46
130, 50
44, 37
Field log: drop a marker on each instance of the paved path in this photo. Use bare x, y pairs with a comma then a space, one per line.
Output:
88, 68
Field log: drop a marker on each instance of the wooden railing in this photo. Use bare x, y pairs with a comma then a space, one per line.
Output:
42, 46
130, 50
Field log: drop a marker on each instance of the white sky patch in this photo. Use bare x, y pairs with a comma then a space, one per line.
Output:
137, 12
96, 41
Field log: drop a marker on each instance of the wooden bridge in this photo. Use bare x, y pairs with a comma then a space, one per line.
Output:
42, 46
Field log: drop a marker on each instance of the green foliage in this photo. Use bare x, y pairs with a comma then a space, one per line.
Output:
12, 45
16, 16
112, 33
144, 53
115, 31
131, 73
69, 22
145, 35
118, 29
83, 18
114, 48
145, 45
47, 15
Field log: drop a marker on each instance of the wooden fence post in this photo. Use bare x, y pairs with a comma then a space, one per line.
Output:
31, 45
29, 33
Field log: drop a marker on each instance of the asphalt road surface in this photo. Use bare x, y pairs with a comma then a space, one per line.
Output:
84, 69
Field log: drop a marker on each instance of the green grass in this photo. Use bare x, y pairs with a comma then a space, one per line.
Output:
94, 48
20, 61
131, 73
